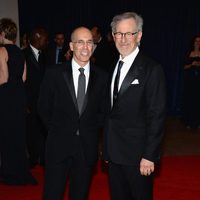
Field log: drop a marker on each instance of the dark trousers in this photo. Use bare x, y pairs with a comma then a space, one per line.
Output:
76, 169
126, 183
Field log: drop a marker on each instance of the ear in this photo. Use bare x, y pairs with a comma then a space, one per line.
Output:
113, 36
71, 46
37, 35
139, 36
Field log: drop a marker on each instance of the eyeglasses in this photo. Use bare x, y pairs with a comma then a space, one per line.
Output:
81, 43
128, 35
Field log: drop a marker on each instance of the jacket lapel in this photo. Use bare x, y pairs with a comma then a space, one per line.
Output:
70, 84
110, 82
131, 75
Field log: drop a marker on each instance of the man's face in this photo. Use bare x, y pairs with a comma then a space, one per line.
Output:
126, 45
59, 40
82, 46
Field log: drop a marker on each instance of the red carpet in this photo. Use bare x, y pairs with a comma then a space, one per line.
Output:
177, 179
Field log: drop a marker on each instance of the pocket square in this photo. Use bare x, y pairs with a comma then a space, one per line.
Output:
136, 81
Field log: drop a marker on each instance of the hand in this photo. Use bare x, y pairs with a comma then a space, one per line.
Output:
146, 167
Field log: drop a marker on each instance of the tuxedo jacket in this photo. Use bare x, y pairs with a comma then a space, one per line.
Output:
35, 73
58, 109
134, 125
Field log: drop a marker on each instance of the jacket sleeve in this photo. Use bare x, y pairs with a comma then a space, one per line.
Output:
156, 111
46, 98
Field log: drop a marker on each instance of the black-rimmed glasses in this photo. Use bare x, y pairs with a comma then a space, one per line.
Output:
128, 35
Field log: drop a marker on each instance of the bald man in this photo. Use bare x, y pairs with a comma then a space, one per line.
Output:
72, 119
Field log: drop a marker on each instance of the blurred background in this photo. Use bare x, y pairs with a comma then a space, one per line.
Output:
169, 27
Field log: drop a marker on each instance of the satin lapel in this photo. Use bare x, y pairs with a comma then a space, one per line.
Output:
110, 82
70, 84
131, 75
90, 87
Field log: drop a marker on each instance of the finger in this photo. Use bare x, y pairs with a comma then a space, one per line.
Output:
146, 172
152, 169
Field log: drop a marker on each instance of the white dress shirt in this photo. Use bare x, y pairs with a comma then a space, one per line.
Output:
76, 73
128, 61
35, 52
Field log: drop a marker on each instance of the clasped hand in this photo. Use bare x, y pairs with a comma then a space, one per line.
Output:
146, 167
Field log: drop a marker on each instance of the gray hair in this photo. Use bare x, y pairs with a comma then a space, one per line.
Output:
127, 15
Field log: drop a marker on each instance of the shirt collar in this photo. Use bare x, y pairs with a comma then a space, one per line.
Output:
76, 66
36, 51
130, 57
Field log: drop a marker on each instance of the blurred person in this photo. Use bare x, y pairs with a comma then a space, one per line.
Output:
24, 41
57, 53
134, 126
35, 60
191, 94
14, 169
69, 54
71, 105
113, 50
103, 54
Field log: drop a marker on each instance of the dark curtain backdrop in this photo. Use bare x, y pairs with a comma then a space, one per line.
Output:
169, 26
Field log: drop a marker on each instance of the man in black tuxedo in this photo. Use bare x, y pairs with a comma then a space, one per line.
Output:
134, 127
35, 61
71, 106
57, 53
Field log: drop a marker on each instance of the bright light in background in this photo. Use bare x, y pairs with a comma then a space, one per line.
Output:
9, 9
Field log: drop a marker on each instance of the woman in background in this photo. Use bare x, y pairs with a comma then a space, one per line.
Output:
14, 169
191, 98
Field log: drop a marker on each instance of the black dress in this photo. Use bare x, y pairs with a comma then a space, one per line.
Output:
14, 168
191, 98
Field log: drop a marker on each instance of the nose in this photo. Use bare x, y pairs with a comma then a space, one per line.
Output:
123, 38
